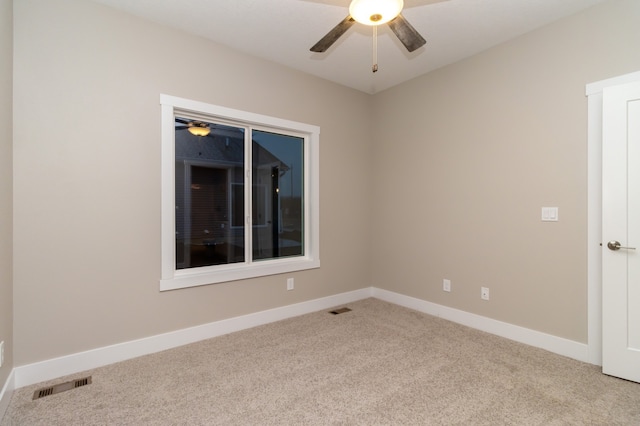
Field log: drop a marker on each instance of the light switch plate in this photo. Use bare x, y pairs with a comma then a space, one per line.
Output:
549, 214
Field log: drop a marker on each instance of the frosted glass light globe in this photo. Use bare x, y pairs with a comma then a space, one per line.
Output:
375, 12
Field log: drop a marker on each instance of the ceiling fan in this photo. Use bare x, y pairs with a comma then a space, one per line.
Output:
374, 13
196, 128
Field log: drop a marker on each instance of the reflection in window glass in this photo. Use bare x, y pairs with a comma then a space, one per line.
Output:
210, 194
278, 194
209, 172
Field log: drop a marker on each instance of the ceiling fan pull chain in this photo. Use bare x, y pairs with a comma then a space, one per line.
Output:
374, 68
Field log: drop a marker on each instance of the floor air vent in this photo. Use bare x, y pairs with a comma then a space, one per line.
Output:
340, 311
51, 390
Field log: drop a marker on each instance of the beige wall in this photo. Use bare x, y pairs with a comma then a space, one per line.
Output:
87, 176
6, 192
461, 162
467, 155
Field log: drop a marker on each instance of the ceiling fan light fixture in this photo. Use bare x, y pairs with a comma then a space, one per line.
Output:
375, 12
199, 130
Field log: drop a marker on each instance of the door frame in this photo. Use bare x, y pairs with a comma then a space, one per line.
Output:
594, 212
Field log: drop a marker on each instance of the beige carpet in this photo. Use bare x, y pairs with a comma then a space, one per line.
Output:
379, 364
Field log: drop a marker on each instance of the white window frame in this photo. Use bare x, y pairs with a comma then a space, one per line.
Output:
172, 278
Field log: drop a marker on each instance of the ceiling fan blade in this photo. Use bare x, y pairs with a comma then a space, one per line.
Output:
408, 35
181, 127
182, 120
333, 35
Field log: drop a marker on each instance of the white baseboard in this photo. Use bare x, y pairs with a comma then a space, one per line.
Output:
6, 393
558, 345
75, 363
50, 369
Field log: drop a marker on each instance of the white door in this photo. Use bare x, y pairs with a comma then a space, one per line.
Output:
621, 231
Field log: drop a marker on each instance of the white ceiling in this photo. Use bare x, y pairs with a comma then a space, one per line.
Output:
282, 31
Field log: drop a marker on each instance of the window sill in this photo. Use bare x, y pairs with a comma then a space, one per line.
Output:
205, 276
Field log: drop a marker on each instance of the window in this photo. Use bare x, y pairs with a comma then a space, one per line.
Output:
239, 194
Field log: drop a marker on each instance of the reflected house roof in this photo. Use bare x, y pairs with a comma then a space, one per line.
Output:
224, 145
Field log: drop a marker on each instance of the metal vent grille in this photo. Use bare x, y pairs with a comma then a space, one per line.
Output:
62, 387
340, 311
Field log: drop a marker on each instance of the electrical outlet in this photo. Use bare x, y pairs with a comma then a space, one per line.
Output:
289, 283
1, 353
446, 285
484, 293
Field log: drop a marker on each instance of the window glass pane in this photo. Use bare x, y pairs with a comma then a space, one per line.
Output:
278, 194
209, 194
